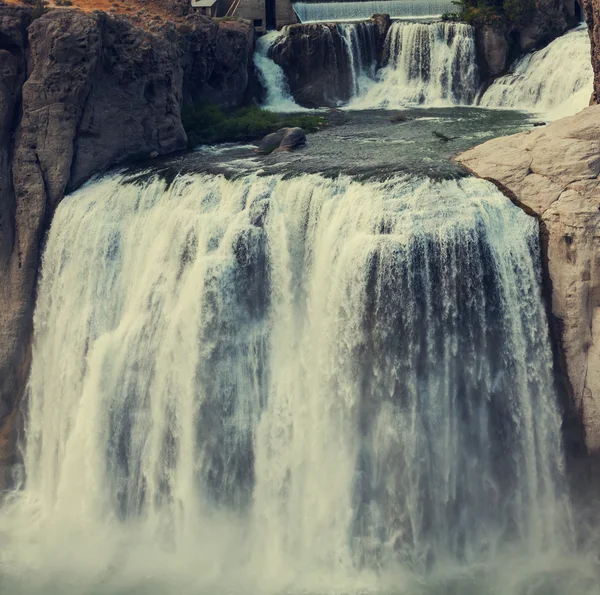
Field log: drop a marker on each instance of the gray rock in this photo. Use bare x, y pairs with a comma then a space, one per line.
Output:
316, 63
285, 139
492, 48
293, 138
217, 60
270, 142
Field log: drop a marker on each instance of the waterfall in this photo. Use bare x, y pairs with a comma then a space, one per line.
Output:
427, 64
278, 97
360, 44
288, 386
354, 11
556, 81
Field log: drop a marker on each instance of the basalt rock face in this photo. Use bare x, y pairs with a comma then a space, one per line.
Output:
554, 173
80, 92
497, 46
217, 60
592, 17
13, 345
316, 63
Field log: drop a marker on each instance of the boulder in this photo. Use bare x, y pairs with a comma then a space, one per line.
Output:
285, 139
292, 139
554, 174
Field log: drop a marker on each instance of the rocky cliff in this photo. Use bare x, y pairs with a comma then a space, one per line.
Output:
554, 174
80, 92
498, 45
592, 16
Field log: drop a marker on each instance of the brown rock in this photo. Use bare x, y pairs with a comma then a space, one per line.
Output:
493, 51
218, 60
592, 16
553, 173
316, 64
13, 350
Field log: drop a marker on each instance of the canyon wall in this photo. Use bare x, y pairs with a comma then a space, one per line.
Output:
80, 92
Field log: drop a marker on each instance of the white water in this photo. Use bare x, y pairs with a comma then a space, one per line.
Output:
427, 64
556, 81
278, 97
349, 11
290, 386
360, 45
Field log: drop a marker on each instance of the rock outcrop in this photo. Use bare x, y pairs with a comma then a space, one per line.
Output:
80, 92
285, 139
316, 63
316, 60
554, 174
217, 60
498, 45
592, 16
13, 345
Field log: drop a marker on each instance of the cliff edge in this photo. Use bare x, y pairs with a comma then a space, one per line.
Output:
553, 173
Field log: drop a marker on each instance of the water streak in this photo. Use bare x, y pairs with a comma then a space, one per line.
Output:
556, 81
427, 64
278, 97
360, 44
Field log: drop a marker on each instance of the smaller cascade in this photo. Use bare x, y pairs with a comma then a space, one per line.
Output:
354, 11
556, 81
426, 64
360, 44
277, 93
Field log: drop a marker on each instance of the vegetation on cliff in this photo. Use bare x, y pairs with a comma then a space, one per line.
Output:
494, 12
208, 124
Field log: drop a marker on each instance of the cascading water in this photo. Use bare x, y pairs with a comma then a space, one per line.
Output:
427, 64
353, 11
278, 97
556, 81
304, 385
360, 43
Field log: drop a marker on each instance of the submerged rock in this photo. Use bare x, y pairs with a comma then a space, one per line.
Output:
554, 174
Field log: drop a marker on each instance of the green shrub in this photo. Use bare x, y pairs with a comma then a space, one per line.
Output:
208, 124
493, 12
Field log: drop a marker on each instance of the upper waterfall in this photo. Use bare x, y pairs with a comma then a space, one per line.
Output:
426, 64
556, 81
353, 11
298, 385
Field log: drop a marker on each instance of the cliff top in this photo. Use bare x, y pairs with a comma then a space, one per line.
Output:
140, 12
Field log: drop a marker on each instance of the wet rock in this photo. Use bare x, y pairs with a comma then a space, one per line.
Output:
492, 48
316, 63
284, 139
292, 139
